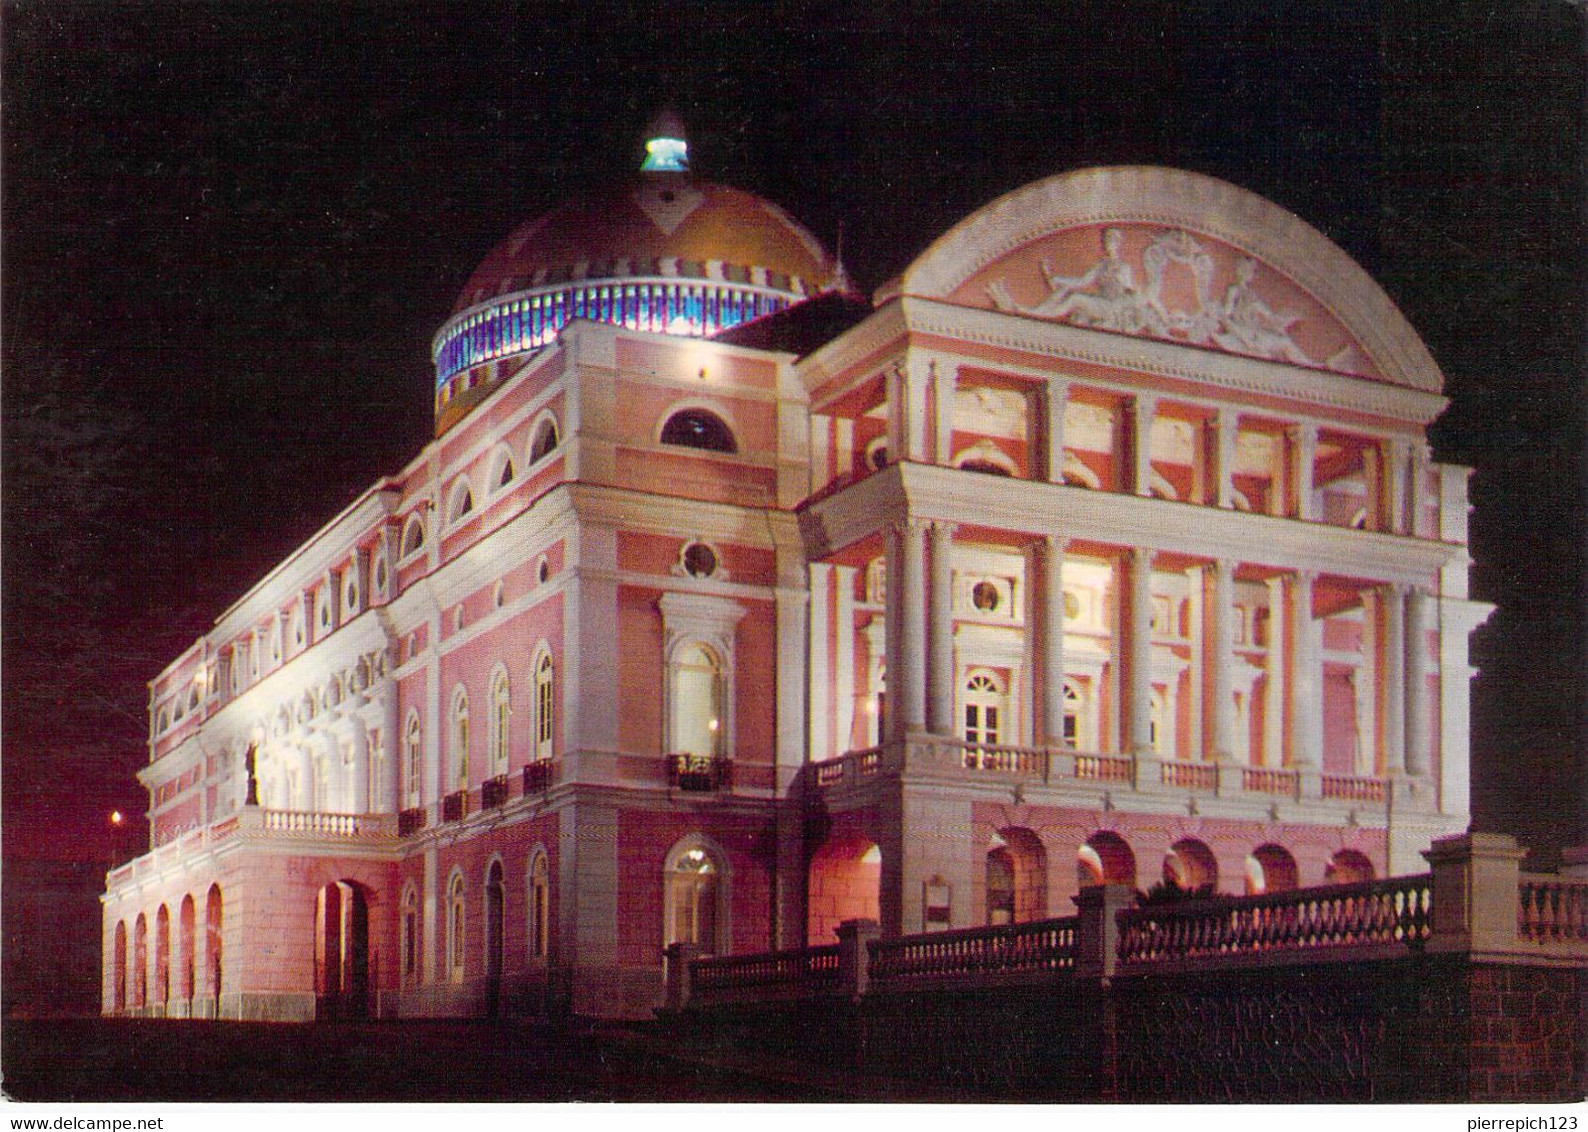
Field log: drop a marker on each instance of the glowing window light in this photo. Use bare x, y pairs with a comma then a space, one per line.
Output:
666, 155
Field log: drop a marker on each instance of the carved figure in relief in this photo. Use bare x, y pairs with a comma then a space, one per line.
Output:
1248, 325
1105, 296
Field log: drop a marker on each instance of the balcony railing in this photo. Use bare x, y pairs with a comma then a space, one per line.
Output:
1189, 776
410, 822
493, 792
455, 805
1105, 768
537, 777
1270, 780
1353, 788
700, 773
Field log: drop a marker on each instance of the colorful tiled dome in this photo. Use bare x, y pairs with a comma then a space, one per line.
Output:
665, 252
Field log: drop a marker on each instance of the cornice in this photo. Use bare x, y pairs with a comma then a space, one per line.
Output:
326, 548
1038, 509
1309, 389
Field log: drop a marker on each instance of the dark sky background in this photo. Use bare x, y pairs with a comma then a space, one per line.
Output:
231, 230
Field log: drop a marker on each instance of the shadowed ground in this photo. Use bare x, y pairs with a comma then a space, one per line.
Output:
91, 1059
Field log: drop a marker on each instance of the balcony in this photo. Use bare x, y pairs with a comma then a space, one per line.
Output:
410, 822
1085, 773
493, 792
698, 773
537, 777
455, 805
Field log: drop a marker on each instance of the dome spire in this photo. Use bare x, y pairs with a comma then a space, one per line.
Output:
666, 148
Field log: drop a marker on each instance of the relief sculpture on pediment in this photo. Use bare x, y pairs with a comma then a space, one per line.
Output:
1177, 302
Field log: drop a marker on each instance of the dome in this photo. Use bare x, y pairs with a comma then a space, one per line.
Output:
665, 252
661, 225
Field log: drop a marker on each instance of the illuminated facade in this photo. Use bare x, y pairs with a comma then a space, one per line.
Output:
1106, 545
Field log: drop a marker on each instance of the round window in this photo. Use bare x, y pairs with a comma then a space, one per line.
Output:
700, 561
984, 596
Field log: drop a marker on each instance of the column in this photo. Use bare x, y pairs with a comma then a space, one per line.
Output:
1418, 753
359, 801
1392, 676
1302, 441
1139, 672
944, 381
1225, 427
821, 453
1418, 494
1397, 458
1055, 402
1364, 683
1274, 678
844, 657
1221, 661
1373, 487
1306, 714
1141, 410
907, 607
894, 391
918, 379
1050, 639
818, 657
940, 631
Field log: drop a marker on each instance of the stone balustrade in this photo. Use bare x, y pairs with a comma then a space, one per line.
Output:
938, 757
1552, 911
1042, 946
1356, 917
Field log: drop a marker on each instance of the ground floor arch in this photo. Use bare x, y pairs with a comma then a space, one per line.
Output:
1106, 858
1271, 868
1016, 877
341, 950
1348, 866
213, 916
1190, 865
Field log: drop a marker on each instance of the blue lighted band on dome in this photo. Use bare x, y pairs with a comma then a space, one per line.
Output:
528, 322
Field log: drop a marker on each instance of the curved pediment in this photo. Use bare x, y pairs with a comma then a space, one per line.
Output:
1179, 257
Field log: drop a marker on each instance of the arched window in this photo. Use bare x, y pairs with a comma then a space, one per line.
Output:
162, 956
460, 738
214, 934
410, 936
186, 949
545, 441
501, 713
413, 536
693, 897
697, 702
455, 925
539, 905
495, 903
698, 428
460, 503
545, 706
502, 470
413, 754
140, 962
984, 709
118, 990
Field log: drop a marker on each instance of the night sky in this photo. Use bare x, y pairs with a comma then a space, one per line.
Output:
230, 232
